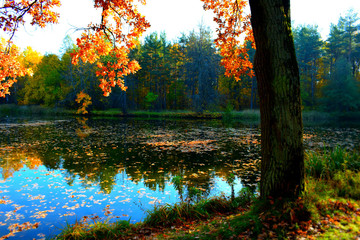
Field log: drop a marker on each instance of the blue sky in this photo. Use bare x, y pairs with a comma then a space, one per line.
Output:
173, 17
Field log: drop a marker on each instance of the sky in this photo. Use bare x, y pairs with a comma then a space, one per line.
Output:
171, 16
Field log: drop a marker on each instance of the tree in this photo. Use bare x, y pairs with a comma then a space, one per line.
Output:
344, 40
201, 69
154, 76
28, 59
282, 165
277, 73
239, 94
150, 98
10, 67
46, 86
117, 32
80, 78
84, 100
309, 50
13, 15
275, 66
176, 96
341, 94
234, 32
155, 68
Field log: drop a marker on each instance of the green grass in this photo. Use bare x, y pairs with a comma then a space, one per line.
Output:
345, 230
108, 113
168, 215
16, 110
328, 208
158, 218
250, 115
97, 230
253, 115
247, 115
333, 192
309, 117
186, 114
325, 165
347, 184
316, 116
177, 114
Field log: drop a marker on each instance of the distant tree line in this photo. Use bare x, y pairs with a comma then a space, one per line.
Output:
187, 75
330, 70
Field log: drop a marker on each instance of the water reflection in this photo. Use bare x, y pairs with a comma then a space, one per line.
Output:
53, 172
12, 161
59, 171
83, 131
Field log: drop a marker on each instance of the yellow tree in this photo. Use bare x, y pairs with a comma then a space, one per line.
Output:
29, 58
10, 67
12, 17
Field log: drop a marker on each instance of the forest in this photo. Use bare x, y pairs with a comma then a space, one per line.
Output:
187, 74
136, 177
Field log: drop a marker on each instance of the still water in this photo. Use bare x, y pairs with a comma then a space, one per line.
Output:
55, 172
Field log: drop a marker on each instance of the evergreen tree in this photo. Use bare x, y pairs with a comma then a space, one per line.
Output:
341, 93
201, 69
344, 41
309, 50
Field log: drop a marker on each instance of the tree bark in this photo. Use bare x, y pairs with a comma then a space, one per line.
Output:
276, 69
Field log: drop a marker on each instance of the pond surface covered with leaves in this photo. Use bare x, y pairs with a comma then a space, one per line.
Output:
57, 172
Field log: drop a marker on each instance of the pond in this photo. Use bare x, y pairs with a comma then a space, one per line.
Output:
59, 171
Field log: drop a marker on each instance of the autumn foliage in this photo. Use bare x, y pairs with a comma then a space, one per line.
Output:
12, 13
12, 16
84, 100
10, 68
234, 30
117, 33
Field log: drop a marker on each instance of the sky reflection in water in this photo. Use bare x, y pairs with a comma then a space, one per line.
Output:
57, 172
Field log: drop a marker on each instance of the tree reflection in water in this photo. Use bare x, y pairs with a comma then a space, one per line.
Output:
52, 170
146, 152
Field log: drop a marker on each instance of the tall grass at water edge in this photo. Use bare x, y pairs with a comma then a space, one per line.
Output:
328, 163
333, 174
168, 215
330, 176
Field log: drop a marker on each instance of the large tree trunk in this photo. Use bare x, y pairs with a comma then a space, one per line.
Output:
282, 166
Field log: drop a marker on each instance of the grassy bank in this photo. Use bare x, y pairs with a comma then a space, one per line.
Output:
158, 221
248, 115
163, 114
244, 115
31, 110
328, 209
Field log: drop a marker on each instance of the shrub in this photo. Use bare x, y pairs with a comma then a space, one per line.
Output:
327, 164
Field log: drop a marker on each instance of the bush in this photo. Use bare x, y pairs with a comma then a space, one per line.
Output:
327, 164
168, 215
347, 184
